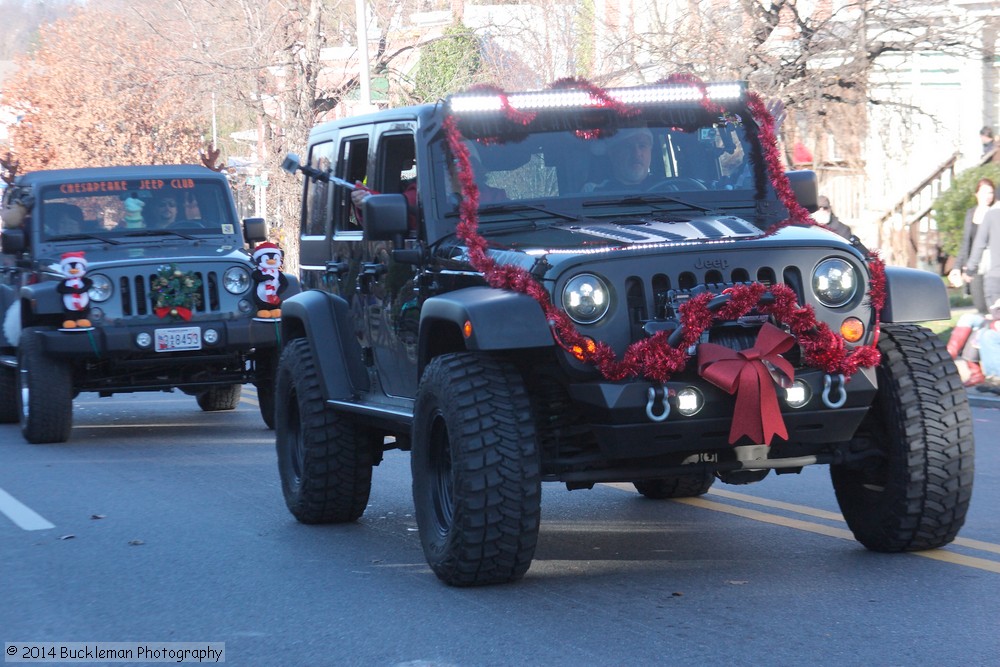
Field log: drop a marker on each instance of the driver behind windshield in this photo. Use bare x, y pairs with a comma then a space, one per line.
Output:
629, 153
162, 212
63, 219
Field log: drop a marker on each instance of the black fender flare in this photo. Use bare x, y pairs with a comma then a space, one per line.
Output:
323, 319
293, 287
913, 295
43, 298
500, 320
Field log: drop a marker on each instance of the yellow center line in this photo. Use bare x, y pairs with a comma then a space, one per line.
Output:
821, 529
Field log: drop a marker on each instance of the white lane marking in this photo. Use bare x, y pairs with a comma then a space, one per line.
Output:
21, 514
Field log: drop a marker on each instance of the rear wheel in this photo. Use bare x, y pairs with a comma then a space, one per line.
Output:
45, 392
8, 397
324, 457
476, 471
226, 397
676, 486
264, 381
915, 492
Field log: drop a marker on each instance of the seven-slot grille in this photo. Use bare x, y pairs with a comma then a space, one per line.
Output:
137, 297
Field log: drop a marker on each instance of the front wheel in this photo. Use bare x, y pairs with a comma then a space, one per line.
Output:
913, 494
476, 471
324, 457
226, 397
45, 392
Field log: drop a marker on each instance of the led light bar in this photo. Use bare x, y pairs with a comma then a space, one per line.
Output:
562, 99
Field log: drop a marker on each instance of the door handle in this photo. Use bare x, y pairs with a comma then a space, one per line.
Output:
373, 269
336, 268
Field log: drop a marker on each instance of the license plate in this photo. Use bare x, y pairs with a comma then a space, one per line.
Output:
181, 338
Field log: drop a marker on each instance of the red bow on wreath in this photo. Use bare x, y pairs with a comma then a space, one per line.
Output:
747, 375
177, 311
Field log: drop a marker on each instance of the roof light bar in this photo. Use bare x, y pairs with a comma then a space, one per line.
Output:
562, 99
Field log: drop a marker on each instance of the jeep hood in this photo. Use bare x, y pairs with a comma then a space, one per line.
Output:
524, 244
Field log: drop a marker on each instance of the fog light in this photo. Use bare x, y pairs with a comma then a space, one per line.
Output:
210, 336
798, 394
143, 340
689, 401
244, 306
96, 314
852, 329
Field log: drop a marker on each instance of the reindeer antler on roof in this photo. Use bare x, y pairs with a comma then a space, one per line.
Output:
9, 167
208, 158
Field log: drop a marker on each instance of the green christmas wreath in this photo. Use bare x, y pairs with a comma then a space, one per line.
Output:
175, 293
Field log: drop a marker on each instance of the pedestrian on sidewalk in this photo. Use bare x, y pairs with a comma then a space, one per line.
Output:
960, 275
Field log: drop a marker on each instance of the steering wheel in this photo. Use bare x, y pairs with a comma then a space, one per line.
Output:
676, 185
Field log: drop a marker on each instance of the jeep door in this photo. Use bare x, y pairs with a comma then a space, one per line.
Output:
390, 288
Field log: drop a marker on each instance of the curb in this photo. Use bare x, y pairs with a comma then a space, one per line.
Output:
982, 399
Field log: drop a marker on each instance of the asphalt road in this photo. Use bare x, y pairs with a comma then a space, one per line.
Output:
160, 523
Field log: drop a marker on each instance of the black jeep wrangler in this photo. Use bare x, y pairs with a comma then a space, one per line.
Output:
587, 286
126, 279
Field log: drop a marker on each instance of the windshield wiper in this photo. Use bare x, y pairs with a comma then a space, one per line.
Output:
647, 200
515, 207
80, 237
158, 232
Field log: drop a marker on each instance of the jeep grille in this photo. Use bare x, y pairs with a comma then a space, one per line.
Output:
137, 300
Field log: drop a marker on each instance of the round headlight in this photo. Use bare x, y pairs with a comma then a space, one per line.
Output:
100, 288
586, 298
236, 280
834, 282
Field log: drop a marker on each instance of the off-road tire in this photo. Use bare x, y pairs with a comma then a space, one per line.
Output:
916, 493
226, 397
8, 395
676, 486
324, 457
45, 392
264, 381
476, 470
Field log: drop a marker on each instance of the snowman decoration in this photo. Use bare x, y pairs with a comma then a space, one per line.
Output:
74, 288
269, 281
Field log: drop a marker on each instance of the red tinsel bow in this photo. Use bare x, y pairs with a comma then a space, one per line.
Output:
745, 374
184, 313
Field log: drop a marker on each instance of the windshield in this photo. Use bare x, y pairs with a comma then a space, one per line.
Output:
707, 159
122, 208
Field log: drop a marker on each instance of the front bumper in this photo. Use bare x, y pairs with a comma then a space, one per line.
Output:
117, 340
617, 414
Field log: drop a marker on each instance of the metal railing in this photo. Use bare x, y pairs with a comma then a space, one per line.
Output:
908, 233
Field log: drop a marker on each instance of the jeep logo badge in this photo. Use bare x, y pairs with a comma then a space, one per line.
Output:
702, 263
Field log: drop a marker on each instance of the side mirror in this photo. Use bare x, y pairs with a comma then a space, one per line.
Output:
291, 164
13, 241
385, 217
805, 188
254, 230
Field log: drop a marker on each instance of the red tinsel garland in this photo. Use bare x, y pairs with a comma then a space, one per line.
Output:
654, 358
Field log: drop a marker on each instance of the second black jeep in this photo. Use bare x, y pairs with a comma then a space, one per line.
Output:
582, 288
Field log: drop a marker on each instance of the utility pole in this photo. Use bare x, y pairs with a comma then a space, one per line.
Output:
365, 76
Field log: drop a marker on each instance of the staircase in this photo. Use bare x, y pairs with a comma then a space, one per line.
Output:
908, 234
